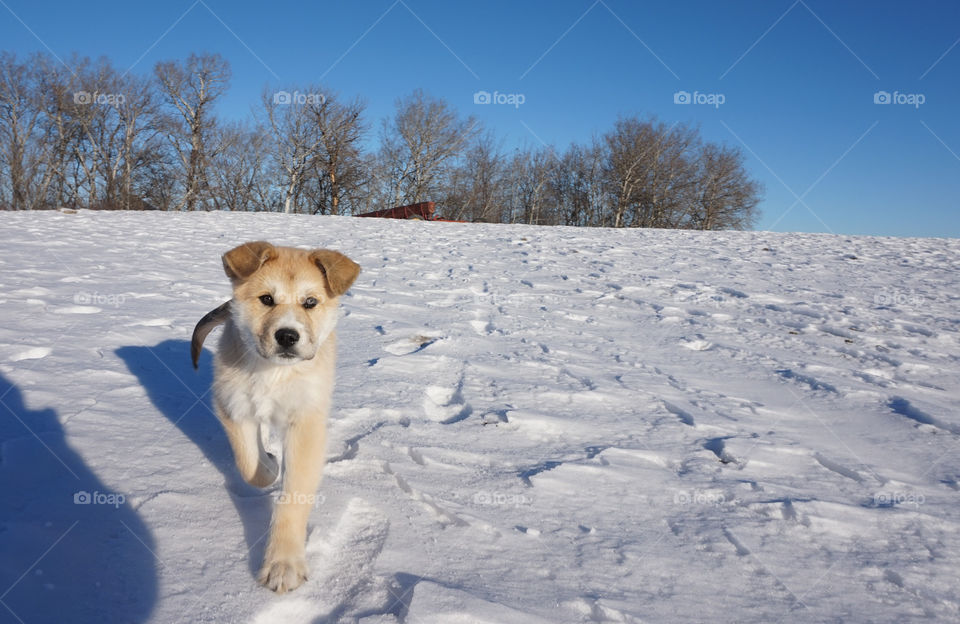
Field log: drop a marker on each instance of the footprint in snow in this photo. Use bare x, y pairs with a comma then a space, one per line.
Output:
696, 345
35, 353
341, 563
483, 328
410, 345
444, 402
77, 310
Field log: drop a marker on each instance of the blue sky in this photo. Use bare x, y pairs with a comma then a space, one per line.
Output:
796, 81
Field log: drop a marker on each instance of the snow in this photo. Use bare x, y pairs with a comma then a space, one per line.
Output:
531, 425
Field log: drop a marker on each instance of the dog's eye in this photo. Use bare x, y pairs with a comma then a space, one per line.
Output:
266, 300
309, 303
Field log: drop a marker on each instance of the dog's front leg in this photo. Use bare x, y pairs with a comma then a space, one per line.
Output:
256, 466
284, 566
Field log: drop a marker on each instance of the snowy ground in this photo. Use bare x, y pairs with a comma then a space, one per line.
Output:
532, 425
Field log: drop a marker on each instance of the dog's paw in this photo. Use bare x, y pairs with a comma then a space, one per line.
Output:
283, 575
267, 473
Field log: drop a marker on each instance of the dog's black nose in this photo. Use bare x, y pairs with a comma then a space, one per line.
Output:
286, 337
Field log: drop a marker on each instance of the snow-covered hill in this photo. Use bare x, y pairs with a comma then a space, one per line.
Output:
531, 425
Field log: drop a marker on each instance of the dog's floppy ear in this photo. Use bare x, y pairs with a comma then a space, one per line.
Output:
211, 319
241, 262
339, 270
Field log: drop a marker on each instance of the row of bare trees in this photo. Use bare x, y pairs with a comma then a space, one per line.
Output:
642, 173
82, 134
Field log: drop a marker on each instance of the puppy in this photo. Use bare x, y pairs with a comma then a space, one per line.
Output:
275, 368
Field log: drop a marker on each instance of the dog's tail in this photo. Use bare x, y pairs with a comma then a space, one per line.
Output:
210, 320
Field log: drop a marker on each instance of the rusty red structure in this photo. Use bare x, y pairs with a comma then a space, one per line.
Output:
425, 211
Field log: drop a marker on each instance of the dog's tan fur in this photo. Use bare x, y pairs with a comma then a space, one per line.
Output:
259, 382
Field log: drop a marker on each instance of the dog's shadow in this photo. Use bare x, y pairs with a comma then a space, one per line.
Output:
183, 396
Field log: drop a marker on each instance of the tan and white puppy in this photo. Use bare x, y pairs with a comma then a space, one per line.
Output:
275, 367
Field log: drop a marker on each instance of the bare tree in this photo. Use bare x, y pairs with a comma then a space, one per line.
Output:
20, 118
627, 148
670, 177
476, 187
139, 140
530, 174
368, 193
116, 116
59, 86
291, 119
239, 172
649, 171
338, 166
419, 144
191, 88
157, 179
576, 186
726, 197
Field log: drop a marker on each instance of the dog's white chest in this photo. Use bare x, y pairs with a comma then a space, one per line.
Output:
269, 407
274, 396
